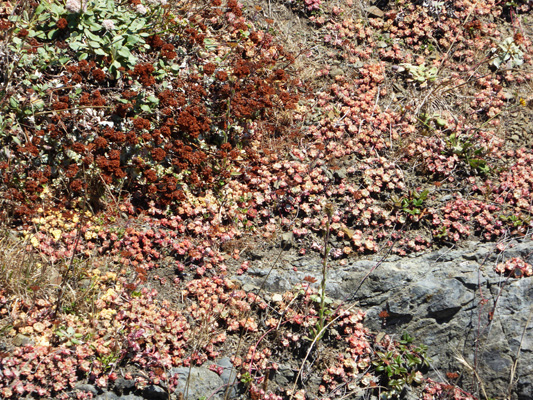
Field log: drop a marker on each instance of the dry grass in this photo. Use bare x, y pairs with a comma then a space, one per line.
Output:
23, 274
26, 277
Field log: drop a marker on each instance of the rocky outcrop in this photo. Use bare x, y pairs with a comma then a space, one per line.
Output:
474, 321
193, 384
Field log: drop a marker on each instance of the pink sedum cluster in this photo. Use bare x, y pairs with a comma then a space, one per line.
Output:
312, 4
515, 267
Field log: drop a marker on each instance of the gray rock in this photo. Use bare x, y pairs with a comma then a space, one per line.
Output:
130, 397
22, 340
229, 375
155, 392
508, 96
85, 283
122, 384
341, 173
287, 240
436, 297
284, 376
202, 383
470, 276
450, 300
276, 281
107, 396
410, 394
336, 72
445, 198
84, 387
247, 287
375, 12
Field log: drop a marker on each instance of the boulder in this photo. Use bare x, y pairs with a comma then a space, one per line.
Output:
198, 382
454, 302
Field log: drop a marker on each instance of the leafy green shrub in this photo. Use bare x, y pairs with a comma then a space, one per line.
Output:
184, 118
469, 152
412, 203
401, 366
421, 74
104, 29
509, 54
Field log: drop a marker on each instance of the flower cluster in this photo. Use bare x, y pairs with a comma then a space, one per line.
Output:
75, 6
433, 389
312, 4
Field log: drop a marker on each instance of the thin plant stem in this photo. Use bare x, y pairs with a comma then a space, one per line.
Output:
329, 213
67, 273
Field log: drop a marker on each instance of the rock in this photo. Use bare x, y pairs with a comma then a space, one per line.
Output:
250, 288
284, 376
340, 173
327, 172
276, 281
85, 283
122, 385
435, 297
277, 298
228, 376
155, 392
107, 396
202, 383
375, 12
336, 72
287, 240
22, 340
409, 393
508, 96
84, 387
470, 278
130, 397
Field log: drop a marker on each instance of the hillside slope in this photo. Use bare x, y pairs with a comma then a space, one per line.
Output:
147, 146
